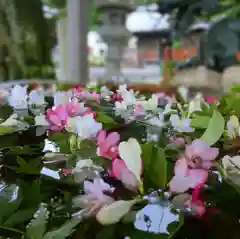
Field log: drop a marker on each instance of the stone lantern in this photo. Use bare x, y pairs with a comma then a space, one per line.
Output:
114, 33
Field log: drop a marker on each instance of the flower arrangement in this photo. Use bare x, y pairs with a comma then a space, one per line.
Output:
113, 163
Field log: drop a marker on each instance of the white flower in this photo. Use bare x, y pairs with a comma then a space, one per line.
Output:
151, 104
120, 108
87, 127
129, 97
233, 127
194, 105
168, 109
40, 120
105, 92
122, 89
13, 121
18, 97
183, 91
36, 98
157, 121
83, 164
181, 125
61, 98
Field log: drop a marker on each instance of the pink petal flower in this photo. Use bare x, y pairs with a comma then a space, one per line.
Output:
107, 144
97, 187
73, 109
139, 110
177, 140
57, 118
186, 178
196, 203
122, 173
200, 154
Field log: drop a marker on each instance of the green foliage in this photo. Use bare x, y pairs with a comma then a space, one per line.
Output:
201, 122
215, 129
37, 227
64, 231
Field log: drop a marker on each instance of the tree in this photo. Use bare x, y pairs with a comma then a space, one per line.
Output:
28, 34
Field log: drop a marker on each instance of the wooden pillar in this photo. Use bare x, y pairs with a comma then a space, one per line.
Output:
77, 42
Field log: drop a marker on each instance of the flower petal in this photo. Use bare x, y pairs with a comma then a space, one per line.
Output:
113, 213
130, 152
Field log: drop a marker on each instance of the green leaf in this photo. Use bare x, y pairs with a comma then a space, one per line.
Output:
18, 217
147, 151
7, 130
37, 227
32, 167
65, 230
201, 122
10, 200
62, 141
5, 112
107, 232
215, 128
105, 119
158, 168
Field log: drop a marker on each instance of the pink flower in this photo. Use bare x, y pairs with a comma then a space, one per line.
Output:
122, 173
90, 95
186, 178
139, 110
108, 144
89, 111
117, 97
197, 205
177, 140
57, 118
200, 155
95, 198
211, 100
75, 109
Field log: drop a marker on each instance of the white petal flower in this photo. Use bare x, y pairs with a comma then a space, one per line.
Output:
61, 98
36, 98
129, 98
105, 92
40, 120
233, 127
194, 105
18, 97
120, 108
87, 127
13, 121
183, 91
181, 125
151, 104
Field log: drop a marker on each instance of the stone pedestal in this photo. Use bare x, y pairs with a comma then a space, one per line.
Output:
230, 77
114, 33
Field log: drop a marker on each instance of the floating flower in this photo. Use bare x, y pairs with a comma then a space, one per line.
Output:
61, 97
181, 125
130, 151
108, 144
95, 197
200, 155
76, 109
36, 98
233, 127
87, 127
151, 104
57, 118
122, 173
18, 97
186, 178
